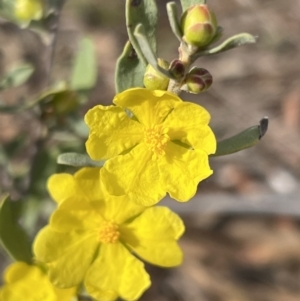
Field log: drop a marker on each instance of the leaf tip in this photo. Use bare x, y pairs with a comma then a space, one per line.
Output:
263, 126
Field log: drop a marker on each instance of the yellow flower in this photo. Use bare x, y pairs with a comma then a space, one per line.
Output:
91, 238
28, 282
163, 148
27, 10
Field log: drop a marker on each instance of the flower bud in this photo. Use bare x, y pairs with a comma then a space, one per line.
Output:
177, 68
27, 10
199, 25
153, 79
197, 80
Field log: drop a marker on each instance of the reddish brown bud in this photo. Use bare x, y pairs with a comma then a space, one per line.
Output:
197, 80
177, 68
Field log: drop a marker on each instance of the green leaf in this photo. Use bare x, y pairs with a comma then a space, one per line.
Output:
12, 236
84, 74
232, 42
142, 40
129, 70
131, 65
188, 3
16, 77
142, 12
78, 160
173, 19
243, 140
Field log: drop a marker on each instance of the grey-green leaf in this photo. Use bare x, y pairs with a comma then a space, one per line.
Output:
78, 160
188, 3
173, 19
16, 77
146, 13
243, 140
232, 42
129, 70
142, 40
12, 235
131, 65
84, 74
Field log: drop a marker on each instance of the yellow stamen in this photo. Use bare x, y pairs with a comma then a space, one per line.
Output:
156, 139
108, 233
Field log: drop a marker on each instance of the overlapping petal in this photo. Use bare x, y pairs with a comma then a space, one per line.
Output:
188, 122
68, 254
50, 245
91, 235
75, 213
136, 175
65, 294
182, 170
150, 169
148, 106
82, 184
153, 235
119, 209
111, 132
115, 273
70, 268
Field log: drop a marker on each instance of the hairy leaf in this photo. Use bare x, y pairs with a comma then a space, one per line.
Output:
232, 42
78, 160
243, 140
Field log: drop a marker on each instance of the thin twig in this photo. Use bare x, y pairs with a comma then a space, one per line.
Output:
53, 28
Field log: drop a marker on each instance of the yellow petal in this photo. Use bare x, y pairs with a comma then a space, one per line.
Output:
68, 255
153, 235
84, 183
134, 174
17, 271
51, 245
188, 122
22, 279
27, 10
60, 186
148, 106
115, 273
111, 132
75, 213
28, 282
181, 170
70, 269
119, 209
65, 294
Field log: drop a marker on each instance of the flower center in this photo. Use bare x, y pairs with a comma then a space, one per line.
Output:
156, 139
108, 233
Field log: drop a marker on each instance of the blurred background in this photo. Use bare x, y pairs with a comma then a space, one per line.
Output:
242, 241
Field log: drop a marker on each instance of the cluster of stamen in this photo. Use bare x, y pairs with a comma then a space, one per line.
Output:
108, 232
156, 139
